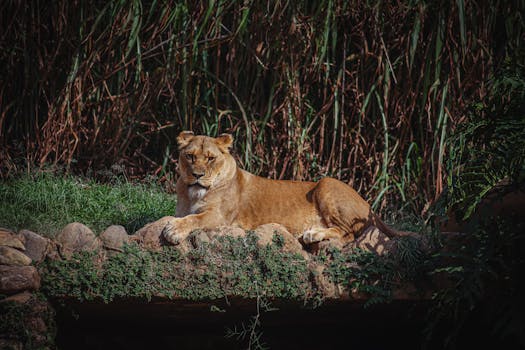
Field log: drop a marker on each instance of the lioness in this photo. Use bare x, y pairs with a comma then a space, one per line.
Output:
212, 191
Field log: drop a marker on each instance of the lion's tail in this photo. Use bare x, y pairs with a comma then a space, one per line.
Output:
389, 231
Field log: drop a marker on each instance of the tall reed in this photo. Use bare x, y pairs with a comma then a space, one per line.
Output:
364, 91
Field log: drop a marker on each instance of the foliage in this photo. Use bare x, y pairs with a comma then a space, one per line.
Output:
228, 266
487, 164
364, 91
251, 331
132, 273
16, 324
363, 272
46, 203
225, 266
483, 279
489, 148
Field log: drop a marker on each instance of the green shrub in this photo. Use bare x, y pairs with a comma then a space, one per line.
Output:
226, 266
487, 163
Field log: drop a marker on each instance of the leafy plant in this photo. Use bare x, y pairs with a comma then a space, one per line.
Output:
363, 272
488, 150
487, 164
228, 266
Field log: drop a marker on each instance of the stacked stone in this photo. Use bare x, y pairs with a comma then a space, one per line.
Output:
17, 252
19, 280
76, 237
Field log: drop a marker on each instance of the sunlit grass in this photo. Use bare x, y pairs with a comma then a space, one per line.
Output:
46, 203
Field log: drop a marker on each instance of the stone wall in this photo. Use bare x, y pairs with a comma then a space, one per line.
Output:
268, 263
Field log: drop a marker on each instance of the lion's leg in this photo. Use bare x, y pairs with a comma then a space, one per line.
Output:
341, 207
177, 229
318, 234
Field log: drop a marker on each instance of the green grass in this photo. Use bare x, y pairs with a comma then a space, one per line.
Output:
45, 203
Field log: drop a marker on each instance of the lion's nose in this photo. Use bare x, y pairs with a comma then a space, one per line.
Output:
198, 175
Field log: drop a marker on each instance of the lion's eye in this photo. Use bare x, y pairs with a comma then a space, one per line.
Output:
211, 159
189, 157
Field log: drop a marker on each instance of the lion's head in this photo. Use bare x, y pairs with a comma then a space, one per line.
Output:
205, 162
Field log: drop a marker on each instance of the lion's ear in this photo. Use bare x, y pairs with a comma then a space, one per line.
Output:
224, 141
184, 138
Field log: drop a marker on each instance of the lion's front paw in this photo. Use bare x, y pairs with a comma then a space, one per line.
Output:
174, 231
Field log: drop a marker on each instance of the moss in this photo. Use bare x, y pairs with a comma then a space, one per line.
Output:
225, 266
361, 271
233, 267
132, 273
17, 322
378, 276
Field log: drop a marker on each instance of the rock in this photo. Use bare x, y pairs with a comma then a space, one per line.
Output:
36, 245
14, 279
8, 239
11, 256
20, 298
230, 231
76, 237
34, 320
114, 237
408, 291
150, 236
291, 244
323, 284
198, 237
37, 325
372, 240
327, 245
52, 251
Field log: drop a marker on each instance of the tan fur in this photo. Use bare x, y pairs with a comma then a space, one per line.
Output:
212, 191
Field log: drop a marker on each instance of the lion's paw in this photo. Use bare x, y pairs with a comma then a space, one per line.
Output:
173, 233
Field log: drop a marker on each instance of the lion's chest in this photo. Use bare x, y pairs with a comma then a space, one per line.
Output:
196, 194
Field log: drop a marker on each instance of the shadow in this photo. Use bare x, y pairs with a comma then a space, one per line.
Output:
137, 223
335, 324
